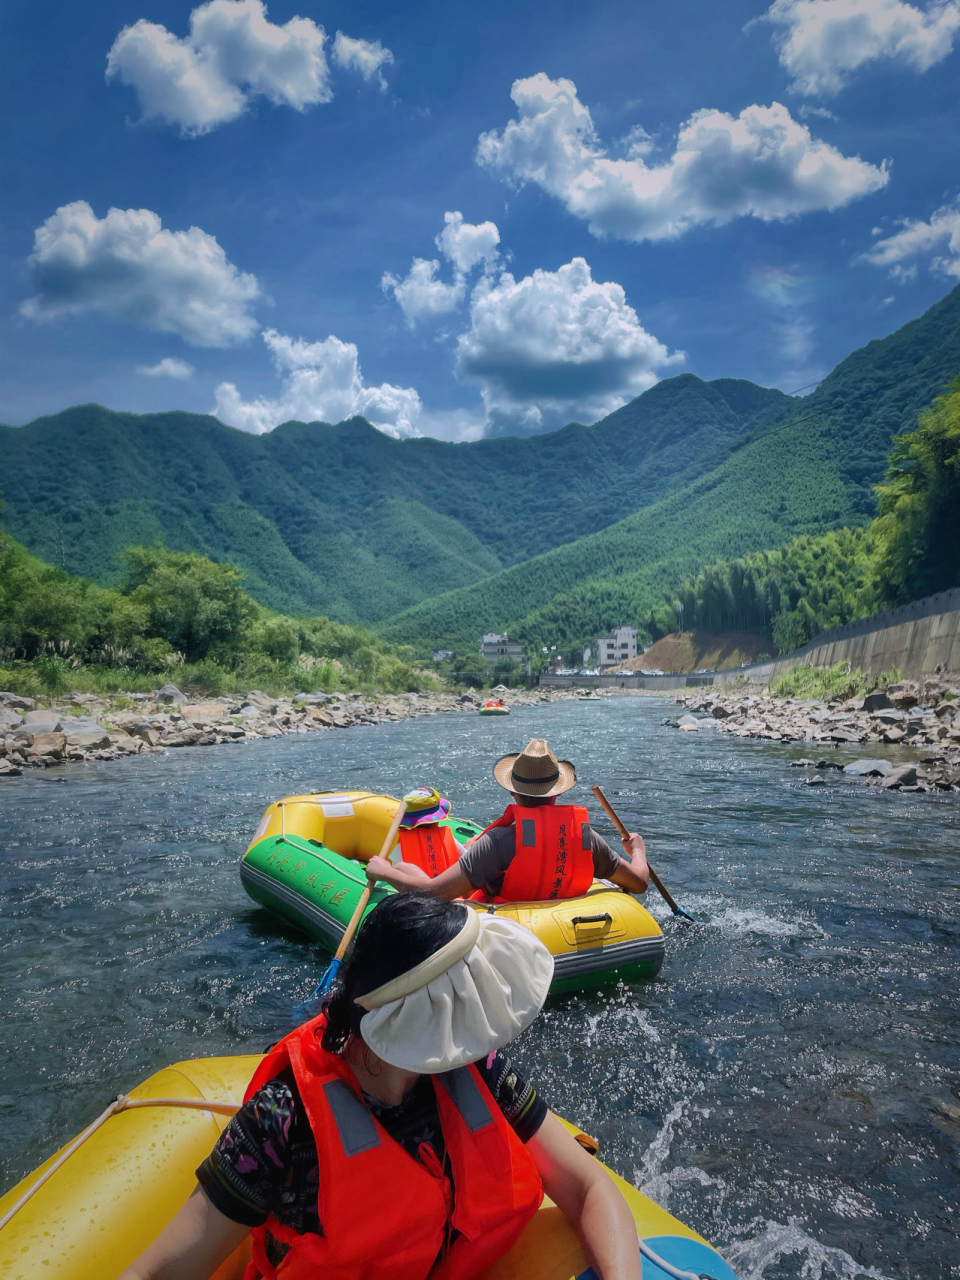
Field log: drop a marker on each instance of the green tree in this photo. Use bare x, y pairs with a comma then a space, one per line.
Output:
918, 529
193, 603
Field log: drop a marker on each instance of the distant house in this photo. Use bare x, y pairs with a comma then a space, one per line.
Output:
494, 648
621, 646
442, 655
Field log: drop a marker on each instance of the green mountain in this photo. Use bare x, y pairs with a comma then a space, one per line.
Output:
552, 535
809, 473
343, 519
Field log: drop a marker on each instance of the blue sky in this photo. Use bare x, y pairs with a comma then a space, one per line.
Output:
612, 193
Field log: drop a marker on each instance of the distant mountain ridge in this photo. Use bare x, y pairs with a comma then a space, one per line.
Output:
808, 473
344, 520
549, 536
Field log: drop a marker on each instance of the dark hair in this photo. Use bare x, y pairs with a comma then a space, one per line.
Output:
533, 802
399, 933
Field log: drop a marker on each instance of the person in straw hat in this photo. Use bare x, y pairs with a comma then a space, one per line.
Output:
537, 850
390, 1138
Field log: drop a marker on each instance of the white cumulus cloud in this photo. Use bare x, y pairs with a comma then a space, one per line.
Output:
762, 164
168, 367
232, 55
822, 42
422, 295
938, 239
321, 382
129, 266
467, 244
556, 345
366, 56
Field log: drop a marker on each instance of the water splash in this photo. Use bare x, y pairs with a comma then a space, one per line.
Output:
652, 1178
751, 920
751, 1259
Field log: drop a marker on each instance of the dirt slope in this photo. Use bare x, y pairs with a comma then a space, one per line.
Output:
691, 650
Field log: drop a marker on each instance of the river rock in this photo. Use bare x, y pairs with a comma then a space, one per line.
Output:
867, 768
876, 701
905, 775
844, 735
53, 745
249, 712
171, 694
96, 739
42, 722
147, 734
9, 719
17, 702
203, 712
687, 721
258, 698
186, 738
312, 699
828, 764
802, 763
893, 734
815, 781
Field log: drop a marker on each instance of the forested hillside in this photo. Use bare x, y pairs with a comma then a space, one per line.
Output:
812, 473
911, 550
343, 519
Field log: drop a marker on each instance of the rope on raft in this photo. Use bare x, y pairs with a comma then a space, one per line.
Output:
120, 1103
123, 1103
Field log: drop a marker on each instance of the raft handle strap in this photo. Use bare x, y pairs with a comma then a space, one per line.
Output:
592, 919
120, 1103
669, 1268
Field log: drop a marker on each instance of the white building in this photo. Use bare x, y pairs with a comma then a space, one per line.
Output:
494, 647
619, 647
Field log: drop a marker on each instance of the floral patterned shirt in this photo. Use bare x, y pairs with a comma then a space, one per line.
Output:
265, 1160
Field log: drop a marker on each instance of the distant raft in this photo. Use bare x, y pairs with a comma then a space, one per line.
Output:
117, 1192
494, 708
306, 865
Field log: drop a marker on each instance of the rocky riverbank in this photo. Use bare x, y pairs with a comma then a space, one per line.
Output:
78, 727
922, 718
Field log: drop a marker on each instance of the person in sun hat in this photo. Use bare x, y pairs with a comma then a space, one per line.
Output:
423, 842
391, 1138
537, 850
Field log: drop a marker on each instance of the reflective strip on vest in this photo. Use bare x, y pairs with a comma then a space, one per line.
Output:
354, 1122
461, 1088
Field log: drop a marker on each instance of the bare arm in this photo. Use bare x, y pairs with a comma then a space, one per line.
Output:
586, 1193
405, 877
634, 874
191, 1246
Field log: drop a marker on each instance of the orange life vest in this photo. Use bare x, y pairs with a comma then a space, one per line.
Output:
553, 855
384, 1215
431, 847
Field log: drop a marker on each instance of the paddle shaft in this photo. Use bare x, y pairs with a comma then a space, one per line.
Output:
625, 835
388, 844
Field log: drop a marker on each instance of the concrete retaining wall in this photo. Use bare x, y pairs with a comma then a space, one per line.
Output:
918, 638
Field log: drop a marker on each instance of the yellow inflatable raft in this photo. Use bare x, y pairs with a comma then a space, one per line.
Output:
305, 865
118, 1191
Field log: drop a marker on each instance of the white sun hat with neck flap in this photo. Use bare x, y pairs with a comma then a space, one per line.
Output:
472, 996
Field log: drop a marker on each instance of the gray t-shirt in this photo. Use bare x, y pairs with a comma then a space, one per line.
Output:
485, 862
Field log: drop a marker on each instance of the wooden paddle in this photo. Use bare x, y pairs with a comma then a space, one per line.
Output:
335, 965
624, 833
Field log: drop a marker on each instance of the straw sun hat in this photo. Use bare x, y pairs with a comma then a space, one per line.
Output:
535, 771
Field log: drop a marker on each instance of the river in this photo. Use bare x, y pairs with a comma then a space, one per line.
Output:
789, 1085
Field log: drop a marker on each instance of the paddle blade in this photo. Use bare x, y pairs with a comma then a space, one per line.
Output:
325, 984
679, 911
